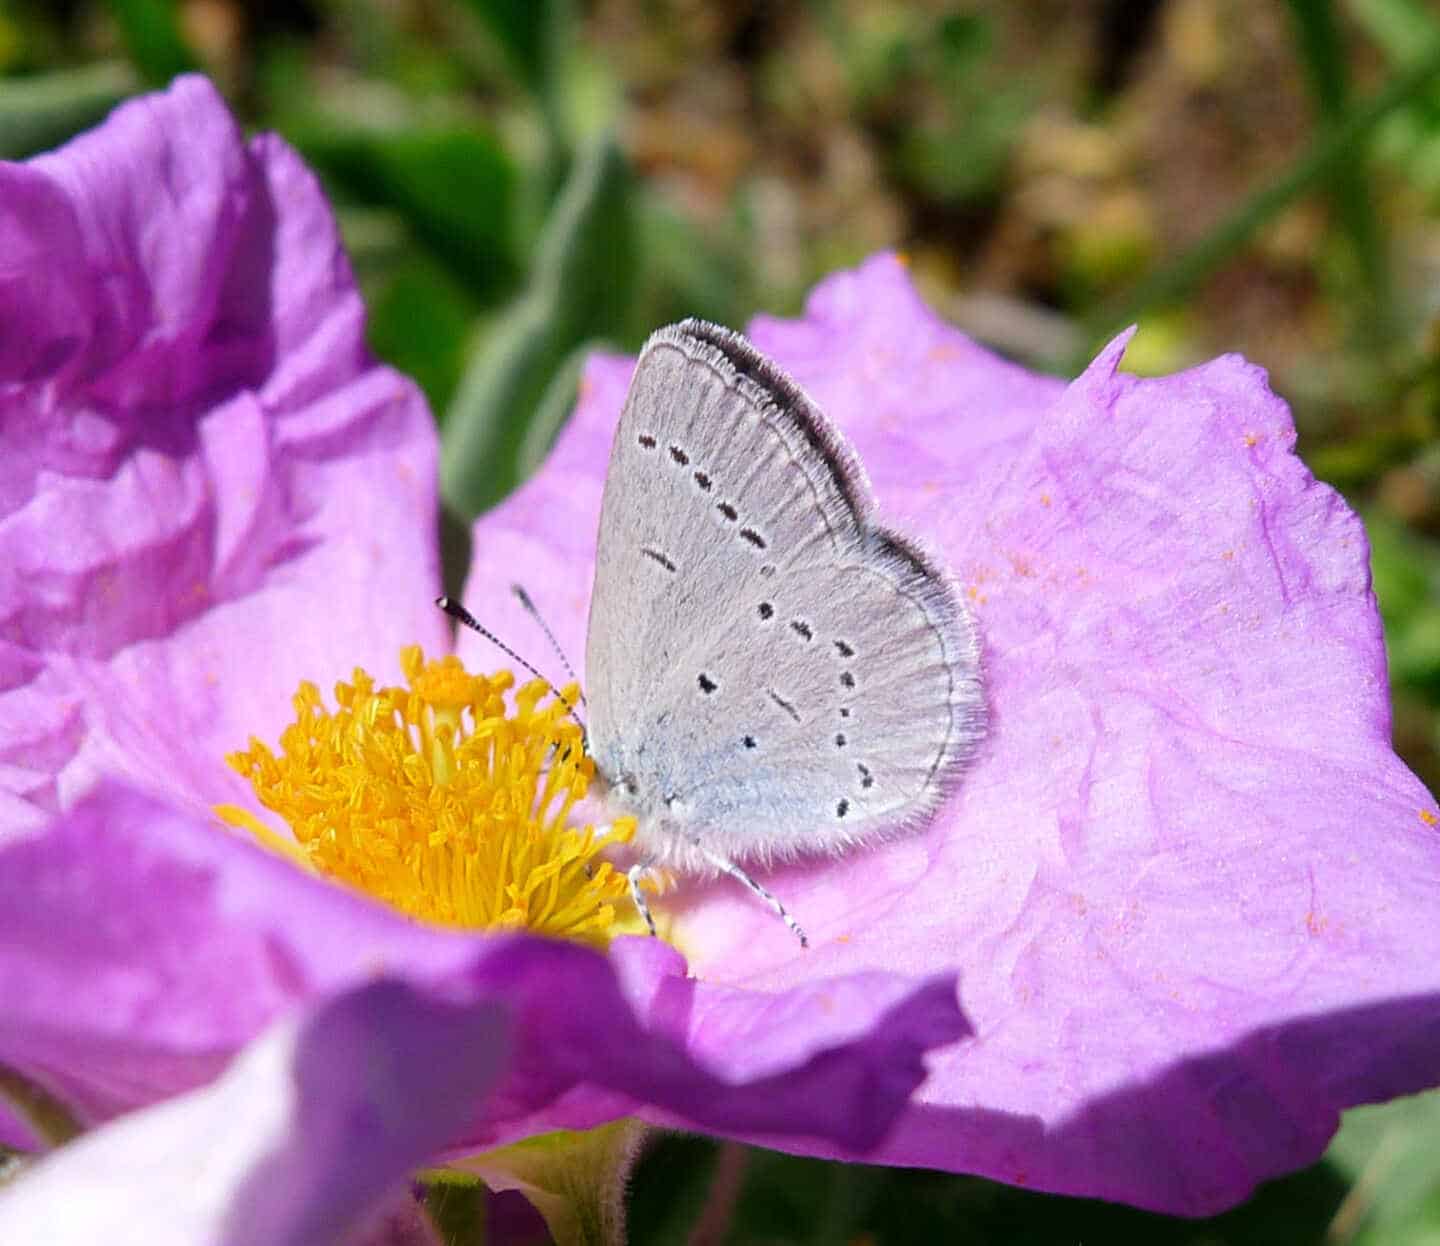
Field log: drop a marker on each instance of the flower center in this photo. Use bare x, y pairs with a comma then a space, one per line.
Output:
437, 800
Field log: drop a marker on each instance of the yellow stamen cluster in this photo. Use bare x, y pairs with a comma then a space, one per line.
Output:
439, 800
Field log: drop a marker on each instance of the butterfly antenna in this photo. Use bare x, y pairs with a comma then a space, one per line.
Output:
461, 615
534, 612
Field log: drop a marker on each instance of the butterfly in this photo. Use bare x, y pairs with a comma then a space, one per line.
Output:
769, 672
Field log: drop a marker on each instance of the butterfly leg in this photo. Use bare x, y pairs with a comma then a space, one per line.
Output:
633, 875
727, 866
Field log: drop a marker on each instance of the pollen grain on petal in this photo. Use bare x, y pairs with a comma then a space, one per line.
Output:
445, 800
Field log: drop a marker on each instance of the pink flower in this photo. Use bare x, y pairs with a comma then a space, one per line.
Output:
307, 1137
208, 494
1186, 889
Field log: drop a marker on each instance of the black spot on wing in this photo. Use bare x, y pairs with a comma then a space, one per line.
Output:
785, 705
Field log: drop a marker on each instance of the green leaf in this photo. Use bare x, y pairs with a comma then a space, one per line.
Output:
575, 1180
41, 112
419, 319
686, 270
1334, 146
539, 40
1406, 573
526, 32
1323, 53
454, 188
580, 290
151, 31
1401, 27
1356, 462
683, 1184
1391, 1152
1410, 141
457, 1209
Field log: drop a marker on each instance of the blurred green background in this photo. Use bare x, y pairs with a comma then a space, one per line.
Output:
519, 180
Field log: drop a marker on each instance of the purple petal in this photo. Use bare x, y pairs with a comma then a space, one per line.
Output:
207, 489
832, 1057
299, 1142
115, 1000
933, 397
1188, 886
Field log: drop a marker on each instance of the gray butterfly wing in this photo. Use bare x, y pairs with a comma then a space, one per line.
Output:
766, 670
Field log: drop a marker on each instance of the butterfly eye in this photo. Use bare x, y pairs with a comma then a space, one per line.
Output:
632, 788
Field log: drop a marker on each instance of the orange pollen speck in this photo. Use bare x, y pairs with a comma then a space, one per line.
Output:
443, 801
